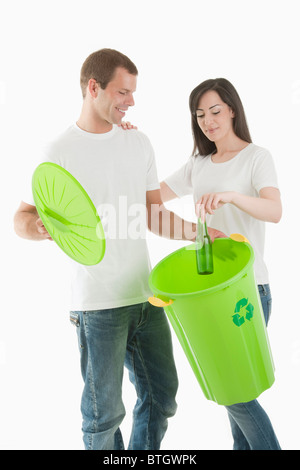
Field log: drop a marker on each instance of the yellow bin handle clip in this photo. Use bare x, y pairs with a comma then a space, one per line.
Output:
237, 237
157, 302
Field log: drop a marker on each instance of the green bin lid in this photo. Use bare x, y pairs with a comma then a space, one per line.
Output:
68, 214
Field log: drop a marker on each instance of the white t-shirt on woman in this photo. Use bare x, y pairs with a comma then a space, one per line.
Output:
248, 172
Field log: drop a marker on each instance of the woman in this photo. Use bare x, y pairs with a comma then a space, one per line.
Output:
235, 182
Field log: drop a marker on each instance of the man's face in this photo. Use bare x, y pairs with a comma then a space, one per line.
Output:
113, 102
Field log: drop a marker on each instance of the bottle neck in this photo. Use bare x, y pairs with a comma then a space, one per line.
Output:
202, 228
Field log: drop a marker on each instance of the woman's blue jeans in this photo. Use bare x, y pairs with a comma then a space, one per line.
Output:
139, 337
250, 425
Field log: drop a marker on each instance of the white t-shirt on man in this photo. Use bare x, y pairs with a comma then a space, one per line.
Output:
247, 173
116, 169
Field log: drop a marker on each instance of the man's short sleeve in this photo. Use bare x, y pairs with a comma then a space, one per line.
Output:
152, 181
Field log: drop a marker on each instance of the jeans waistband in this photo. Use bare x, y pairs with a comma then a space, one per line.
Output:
264, 288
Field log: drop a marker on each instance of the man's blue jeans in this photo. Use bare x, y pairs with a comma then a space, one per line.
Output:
139, 337
250, 425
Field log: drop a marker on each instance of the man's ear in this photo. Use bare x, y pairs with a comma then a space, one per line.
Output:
93, 87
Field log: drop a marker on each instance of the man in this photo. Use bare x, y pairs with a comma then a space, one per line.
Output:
115, 323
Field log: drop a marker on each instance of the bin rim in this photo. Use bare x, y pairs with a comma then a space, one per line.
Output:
210, 290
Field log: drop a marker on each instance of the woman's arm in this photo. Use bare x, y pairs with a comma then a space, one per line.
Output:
266, 207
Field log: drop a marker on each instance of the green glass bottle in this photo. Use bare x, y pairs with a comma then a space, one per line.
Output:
204, 254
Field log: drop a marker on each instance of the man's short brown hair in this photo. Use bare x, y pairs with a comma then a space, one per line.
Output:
101, 66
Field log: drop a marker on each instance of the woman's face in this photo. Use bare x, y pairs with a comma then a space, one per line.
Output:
214, 117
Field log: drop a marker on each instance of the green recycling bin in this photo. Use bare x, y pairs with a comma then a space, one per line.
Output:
218, 319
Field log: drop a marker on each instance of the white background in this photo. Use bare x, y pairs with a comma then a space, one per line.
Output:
175, 45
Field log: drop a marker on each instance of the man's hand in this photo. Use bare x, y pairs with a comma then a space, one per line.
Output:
28, 225
42, 230
213, 233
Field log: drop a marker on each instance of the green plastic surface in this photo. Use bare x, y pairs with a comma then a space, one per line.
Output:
218, 320
68, 214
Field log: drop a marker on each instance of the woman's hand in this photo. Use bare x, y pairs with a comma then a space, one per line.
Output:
213, 233
127, 125
266, 207
212, 201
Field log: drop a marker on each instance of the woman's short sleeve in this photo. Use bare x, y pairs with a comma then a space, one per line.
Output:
181, 180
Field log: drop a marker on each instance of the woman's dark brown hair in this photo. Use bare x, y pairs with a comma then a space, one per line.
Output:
101, 66
202, 145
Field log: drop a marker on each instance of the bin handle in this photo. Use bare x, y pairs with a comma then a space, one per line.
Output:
157, 302
239, 238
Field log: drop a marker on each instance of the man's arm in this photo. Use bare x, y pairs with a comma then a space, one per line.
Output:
165, 223
166, 192
28, 224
